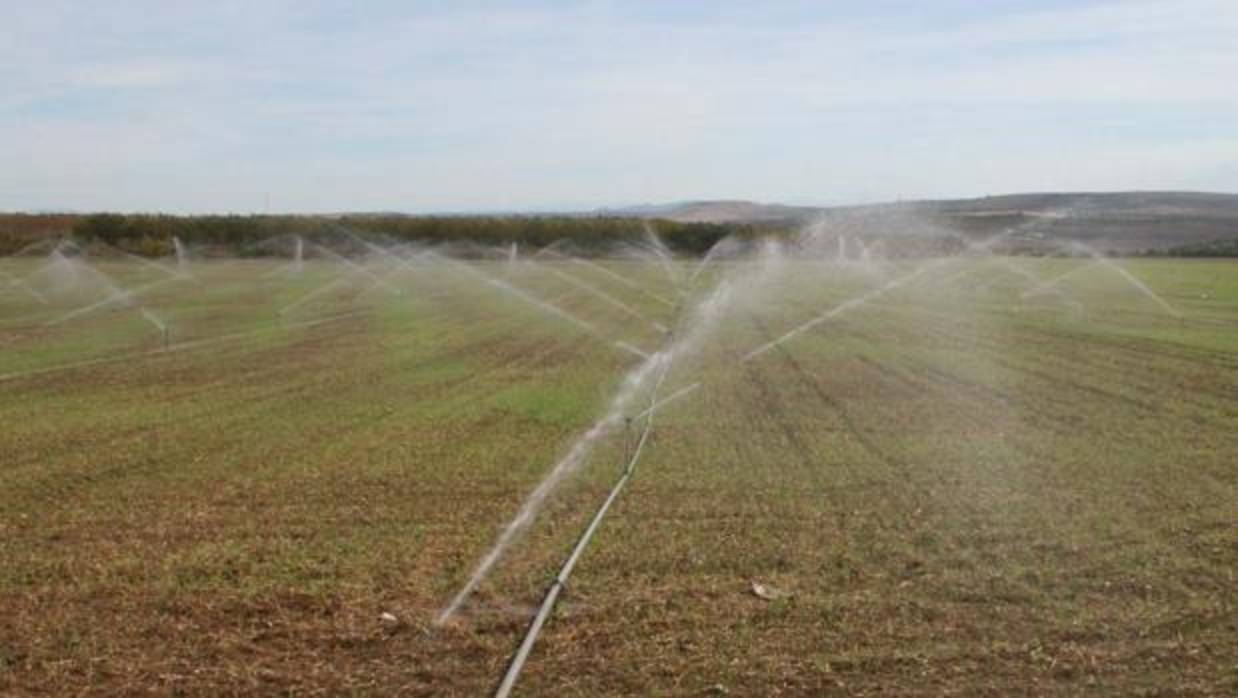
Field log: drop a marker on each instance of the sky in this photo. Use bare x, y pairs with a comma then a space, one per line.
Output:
303, 106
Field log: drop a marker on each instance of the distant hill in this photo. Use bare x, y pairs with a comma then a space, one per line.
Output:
1117, 221
729, 211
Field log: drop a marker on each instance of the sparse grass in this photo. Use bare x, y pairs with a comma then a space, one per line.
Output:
956, 490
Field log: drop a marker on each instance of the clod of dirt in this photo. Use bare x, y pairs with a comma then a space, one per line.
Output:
763, 591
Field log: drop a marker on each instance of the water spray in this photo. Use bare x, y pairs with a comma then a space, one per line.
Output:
182, 259
658, 364
569, 463
606, 297
1075, 306
118, 295
1052, 283
382, 251
614, 276
521, 656
663, 256
1129, 278
314, 293
29, 290
182, 346
540, 304
359, 269
859, 300
682, 392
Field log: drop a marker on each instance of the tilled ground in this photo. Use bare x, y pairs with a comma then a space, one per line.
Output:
946, 490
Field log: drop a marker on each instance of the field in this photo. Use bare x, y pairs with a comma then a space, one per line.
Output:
959, 476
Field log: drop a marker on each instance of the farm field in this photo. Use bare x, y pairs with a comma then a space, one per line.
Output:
958, 475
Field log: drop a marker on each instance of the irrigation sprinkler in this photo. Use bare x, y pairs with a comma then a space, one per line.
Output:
508, 681
627, 437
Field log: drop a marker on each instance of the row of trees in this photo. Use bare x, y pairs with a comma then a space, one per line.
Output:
20, 230
153, 234
1216, 248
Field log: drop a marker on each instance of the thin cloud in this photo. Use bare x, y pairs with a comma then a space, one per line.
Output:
328, 106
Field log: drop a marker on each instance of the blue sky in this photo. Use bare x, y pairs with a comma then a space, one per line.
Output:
455, 106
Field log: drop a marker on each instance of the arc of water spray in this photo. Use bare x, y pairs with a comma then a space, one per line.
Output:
328, 286
359, 269
182, 259
390, 274
180, 346
1052, 283
57, 259
54, 258
709, 257
658, 364
1075, 306
549, 249
836, 311
962, 273
539, 303
606, 297
296, 266
180, 272
859, 300
579, 450
381, 251
617, 277
570, 462
508, 682
635, 379
333, 284
682, 392
663, 256
28, 289
1020, 272
154, 320
118, 295
1129, 278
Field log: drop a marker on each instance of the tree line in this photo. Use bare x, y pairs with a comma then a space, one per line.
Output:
152, 234
242, 235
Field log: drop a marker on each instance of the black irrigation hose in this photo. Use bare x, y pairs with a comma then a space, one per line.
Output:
552, 595
508, 682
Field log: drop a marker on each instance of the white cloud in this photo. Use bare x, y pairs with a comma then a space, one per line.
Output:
199, 106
